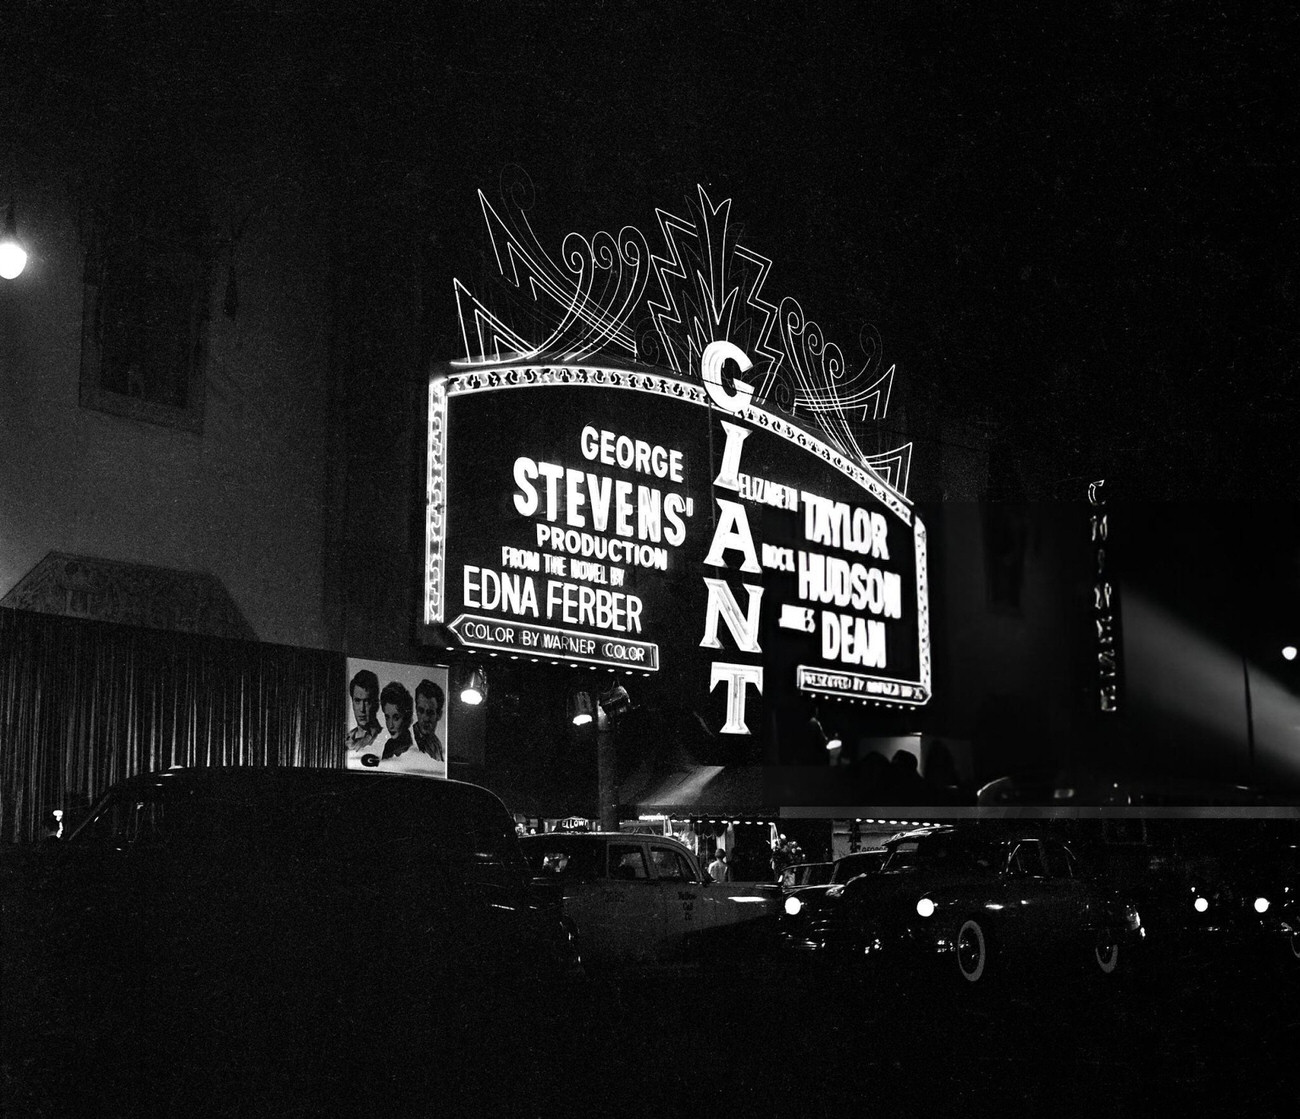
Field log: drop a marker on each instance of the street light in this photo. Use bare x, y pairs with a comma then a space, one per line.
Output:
615, 700
13, 257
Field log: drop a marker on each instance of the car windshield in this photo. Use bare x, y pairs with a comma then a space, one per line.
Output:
565, 856
850, 866
933, 852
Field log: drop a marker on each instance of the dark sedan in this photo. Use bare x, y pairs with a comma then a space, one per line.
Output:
323, 890
806, 908
987, 900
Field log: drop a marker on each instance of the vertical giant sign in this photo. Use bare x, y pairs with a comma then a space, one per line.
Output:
1105, 602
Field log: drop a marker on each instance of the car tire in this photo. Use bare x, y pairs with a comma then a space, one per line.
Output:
1105, 951
972, 950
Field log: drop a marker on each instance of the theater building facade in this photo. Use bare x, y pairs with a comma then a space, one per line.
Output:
669, 522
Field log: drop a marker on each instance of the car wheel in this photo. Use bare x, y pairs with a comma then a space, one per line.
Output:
972, 951
1105, 952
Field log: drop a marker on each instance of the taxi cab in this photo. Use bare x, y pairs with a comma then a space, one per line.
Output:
638, 899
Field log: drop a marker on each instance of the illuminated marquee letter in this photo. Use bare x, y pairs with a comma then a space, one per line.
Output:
722, 604
715, 353
736, 676
732, 532
729, 472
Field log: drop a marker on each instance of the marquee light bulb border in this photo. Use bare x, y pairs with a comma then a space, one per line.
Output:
524, 375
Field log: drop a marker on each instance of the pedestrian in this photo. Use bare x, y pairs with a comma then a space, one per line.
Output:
719, 871
781, 858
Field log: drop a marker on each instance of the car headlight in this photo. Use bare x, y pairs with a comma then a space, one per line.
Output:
1261, 905
925, 907
1200, 905
792, 906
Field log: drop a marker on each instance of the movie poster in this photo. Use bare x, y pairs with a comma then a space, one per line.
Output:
397, 718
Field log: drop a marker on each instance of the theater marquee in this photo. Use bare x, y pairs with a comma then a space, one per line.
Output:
656, 469
635, 519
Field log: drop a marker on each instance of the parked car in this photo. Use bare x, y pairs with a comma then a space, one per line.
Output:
1215, 890
325, 890
639, 899
806, 908
987, 899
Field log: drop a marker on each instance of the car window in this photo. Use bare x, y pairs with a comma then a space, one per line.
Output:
1057, 860
670, 864
107, 825
627, 862
850, 866
932, 852
152, 820
564, 856
1027, 861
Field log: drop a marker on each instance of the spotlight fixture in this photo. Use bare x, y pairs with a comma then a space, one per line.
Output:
13, 257
615, 700
580, 709
474, 689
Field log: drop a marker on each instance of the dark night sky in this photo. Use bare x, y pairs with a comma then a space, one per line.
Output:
1076, 228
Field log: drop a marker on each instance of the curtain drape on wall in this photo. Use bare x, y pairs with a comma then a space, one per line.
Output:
84, 704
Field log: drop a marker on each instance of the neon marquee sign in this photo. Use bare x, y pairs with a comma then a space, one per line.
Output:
595, 511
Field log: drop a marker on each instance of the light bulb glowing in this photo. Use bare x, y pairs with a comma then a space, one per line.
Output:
1289, 652
13, 259
474, 690
1261, 905
1200, 905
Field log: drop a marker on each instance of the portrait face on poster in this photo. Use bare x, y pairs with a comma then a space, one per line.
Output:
397, 717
